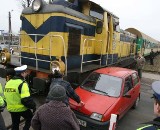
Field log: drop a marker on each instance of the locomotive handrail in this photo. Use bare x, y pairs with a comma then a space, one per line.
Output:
64, 48
120, 49
35, 47
108, 46
82, 62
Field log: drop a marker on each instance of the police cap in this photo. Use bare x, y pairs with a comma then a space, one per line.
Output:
20, 69
156, 89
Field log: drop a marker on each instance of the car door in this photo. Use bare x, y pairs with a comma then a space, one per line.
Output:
136, 86
127, 97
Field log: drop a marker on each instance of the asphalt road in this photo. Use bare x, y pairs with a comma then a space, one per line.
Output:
133, 117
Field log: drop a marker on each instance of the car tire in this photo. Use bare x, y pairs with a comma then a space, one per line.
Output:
136, 103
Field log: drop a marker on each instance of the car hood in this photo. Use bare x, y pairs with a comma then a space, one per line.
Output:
92, 102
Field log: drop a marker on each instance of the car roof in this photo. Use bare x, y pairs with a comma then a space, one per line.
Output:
115, 71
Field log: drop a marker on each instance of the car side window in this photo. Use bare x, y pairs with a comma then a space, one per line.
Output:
128, 84
135, 78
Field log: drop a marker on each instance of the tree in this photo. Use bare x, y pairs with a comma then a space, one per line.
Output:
26, 3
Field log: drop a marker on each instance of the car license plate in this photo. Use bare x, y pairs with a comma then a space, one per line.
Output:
82, 123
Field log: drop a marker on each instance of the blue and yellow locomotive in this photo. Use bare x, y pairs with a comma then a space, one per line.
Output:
78, 36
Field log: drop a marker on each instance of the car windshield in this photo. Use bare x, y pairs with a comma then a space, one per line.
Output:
103, 84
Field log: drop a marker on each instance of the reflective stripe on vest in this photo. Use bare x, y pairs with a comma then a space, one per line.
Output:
148, 127
16, 108
1, 101
13, 97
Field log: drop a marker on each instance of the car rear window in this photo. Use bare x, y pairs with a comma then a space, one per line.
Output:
103, 84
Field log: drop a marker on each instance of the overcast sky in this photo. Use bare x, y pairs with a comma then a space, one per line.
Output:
143, 15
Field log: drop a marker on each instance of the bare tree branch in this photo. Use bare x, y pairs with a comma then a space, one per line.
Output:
26, 3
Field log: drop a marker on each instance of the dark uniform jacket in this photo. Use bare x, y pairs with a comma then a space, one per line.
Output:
152, 125
151, 55
69, 90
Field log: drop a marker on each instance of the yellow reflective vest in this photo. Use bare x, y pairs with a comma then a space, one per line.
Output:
13, 97
1, 96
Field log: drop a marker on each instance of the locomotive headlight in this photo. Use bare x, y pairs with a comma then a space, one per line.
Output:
36, 5
3, 58
96, 116
55, 67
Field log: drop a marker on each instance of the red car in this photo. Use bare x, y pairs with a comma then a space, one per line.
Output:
106, 91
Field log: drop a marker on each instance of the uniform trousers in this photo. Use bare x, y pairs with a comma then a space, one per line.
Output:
140, 73
2, 124
151, 61
27, 115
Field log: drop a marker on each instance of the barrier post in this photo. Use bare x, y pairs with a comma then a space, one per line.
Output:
113, 120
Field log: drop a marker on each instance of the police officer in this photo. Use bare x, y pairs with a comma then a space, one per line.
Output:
18, 98
155, 124
2, 106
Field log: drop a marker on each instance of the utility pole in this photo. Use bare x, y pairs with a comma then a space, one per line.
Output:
2, 34
10, 26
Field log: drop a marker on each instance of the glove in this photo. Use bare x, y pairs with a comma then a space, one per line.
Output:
81, 103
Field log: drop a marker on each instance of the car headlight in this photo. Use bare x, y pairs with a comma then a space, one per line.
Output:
96, 116
36, 5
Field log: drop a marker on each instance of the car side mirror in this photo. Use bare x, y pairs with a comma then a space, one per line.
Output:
127, 96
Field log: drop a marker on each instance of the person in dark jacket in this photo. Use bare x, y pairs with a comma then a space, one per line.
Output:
55, 115
151, 57
57, 78
18, 98
155, 124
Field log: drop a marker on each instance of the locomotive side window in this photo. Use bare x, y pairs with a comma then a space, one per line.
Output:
116, 24
99, 27
74, 40
96, 12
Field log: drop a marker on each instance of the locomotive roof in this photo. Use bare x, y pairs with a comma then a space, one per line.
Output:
100, 5
141, 35
48, 8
